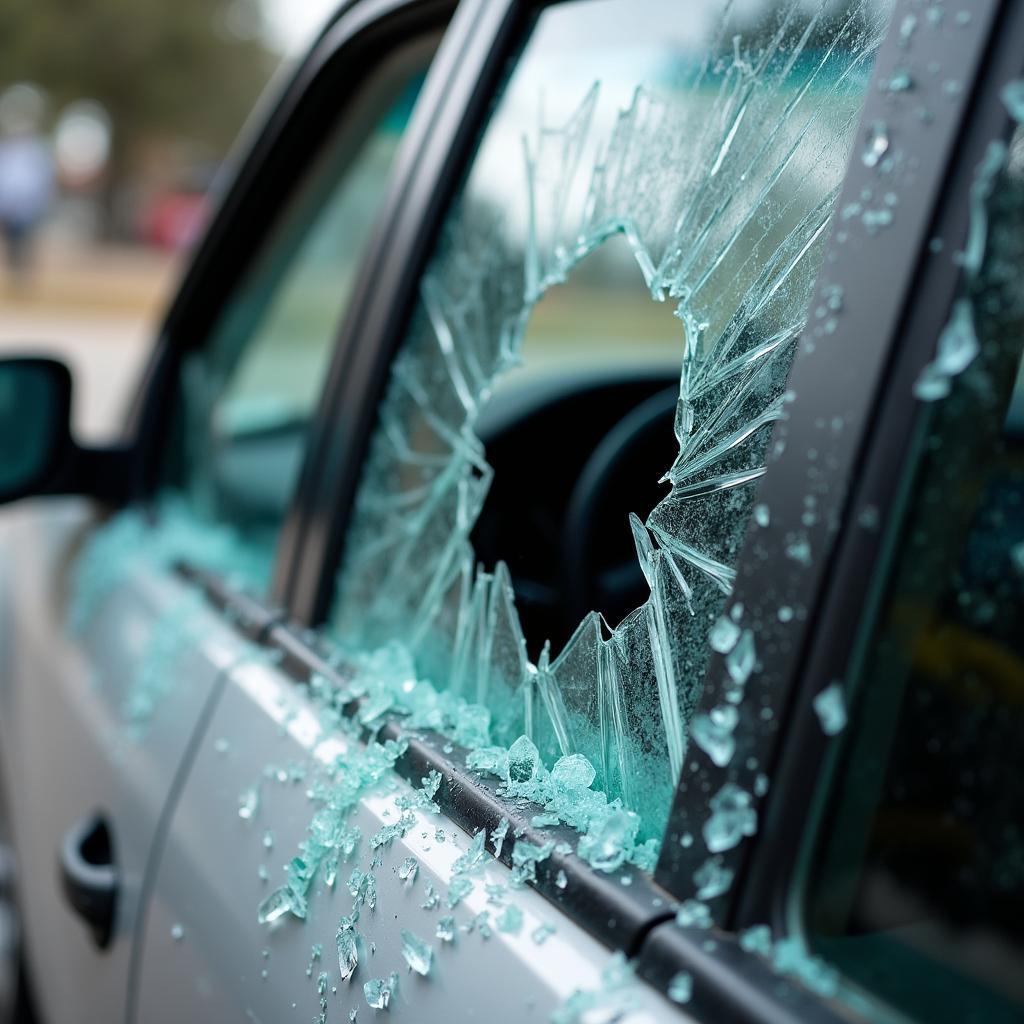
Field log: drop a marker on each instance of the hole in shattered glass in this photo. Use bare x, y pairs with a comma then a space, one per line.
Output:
579, 435
717, 180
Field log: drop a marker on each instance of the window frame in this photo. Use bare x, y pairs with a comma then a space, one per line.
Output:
386, 291
279, 143
848, 605
895, 308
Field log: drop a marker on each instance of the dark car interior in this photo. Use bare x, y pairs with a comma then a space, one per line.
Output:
573, 455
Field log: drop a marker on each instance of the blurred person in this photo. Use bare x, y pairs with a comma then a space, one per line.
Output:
27, 177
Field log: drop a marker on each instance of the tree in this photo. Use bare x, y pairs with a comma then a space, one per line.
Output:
162, 68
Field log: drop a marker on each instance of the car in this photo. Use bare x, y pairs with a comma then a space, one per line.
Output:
565, 556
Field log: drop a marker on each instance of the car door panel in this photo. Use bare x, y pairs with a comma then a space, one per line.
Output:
110, 658
205, 957
72, 748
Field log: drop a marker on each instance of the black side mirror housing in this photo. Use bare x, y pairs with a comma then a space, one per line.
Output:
38, 455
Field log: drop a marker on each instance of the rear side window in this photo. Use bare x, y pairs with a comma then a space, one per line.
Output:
916, 891
248, 394
564, 462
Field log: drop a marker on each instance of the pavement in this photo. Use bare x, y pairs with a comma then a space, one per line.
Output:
98, 309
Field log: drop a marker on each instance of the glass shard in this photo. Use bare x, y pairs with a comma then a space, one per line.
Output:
680, 988
379, 992
693, 914
723, 635
418, 954
459, 888
348, 952
275, 906
510, 920
830, 707
712, 879
407, 870
1013, 97
605, 849
249, 803
732, 817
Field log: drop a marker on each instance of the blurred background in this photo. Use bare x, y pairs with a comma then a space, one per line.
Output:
115, 116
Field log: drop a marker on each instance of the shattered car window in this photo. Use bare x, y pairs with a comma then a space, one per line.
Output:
917, 891
248, 394
706, 142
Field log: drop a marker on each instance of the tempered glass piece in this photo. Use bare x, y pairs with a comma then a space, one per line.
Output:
510, 920
501, 682
379, 991
680, 988
719, 172
348, 950
573, 772
419, 955
732, 817
830, 707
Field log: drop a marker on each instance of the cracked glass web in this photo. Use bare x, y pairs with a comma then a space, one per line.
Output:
716, 151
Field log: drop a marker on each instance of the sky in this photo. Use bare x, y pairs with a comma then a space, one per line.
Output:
294, 23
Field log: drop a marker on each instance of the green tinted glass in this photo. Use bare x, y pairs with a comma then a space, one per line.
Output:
249, 394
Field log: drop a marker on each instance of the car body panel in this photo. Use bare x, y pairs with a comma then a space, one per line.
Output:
67, 751
204, 955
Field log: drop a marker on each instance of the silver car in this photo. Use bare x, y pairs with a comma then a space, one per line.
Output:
565, 557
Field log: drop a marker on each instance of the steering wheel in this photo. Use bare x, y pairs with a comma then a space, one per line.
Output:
599, 563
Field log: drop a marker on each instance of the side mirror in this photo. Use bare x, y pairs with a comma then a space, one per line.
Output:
37, 453
35, 424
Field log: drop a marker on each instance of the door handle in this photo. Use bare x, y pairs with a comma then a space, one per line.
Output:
88, 875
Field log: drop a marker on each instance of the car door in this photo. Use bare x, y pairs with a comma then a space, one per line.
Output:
425, 807
880, 586
88, 757
110, 657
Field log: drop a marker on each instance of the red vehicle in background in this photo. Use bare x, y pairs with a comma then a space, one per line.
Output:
174, 218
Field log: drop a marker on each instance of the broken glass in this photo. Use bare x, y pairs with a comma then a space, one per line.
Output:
137, 540
419, 955
379, 991
711, 142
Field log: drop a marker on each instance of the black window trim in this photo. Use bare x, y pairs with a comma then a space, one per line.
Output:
439, 141
844, 610
836, 587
